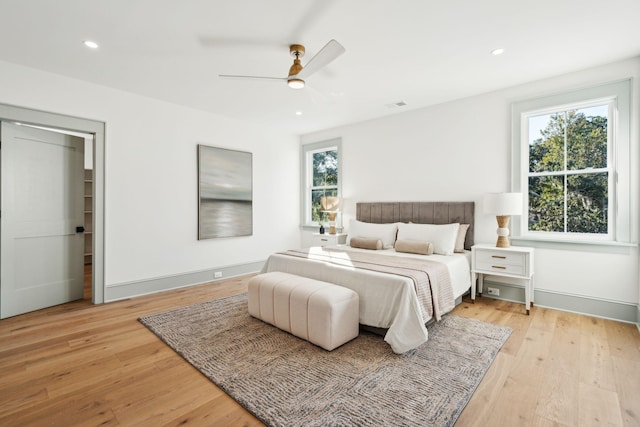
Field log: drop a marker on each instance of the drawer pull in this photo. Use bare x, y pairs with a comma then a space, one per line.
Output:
498, 256
499, 266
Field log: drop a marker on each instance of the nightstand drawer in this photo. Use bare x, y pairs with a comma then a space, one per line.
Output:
322, 240
326, 239
501, 268
502, 258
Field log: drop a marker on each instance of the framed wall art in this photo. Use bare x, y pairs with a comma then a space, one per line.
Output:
225, 193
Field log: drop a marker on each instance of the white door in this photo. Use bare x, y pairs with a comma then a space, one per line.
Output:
42, 203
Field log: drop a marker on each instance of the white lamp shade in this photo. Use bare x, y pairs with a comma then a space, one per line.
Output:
503, 203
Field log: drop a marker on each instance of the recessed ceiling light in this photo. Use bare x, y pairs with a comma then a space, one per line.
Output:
90, 44
298, 113
498, 51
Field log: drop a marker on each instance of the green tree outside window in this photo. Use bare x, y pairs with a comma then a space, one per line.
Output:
324, 180
568, 171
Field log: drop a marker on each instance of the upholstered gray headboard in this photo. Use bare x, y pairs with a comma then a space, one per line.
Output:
420, 213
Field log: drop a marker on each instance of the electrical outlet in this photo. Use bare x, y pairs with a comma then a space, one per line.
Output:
493, 291
217, 274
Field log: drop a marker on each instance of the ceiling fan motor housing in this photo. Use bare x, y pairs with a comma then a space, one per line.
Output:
297, 51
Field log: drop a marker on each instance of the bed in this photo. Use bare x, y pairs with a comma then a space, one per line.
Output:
390, 284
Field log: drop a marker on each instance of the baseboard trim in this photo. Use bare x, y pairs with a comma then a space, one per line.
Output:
614, 310
120, 291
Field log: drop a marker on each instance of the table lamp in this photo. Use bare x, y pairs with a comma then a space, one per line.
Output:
503, 205
331, 205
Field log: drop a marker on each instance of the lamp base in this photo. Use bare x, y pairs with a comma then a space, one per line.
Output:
503, 242
503, 231
332, 222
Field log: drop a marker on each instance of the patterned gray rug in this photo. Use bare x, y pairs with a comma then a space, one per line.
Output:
285, 381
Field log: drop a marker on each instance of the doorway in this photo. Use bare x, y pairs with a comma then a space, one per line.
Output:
87, 203
93, 206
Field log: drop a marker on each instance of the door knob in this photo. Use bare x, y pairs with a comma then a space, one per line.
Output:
80, 229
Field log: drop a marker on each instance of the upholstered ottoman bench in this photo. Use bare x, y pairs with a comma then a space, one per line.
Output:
319, 312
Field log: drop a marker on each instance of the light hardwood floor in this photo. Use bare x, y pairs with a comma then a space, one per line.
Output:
80, 364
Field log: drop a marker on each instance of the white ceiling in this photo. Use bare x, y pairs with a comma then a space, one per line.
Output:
422, 52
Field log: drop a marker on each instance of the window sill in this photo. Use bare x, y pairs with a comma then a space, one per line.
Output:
576, 245
315, 228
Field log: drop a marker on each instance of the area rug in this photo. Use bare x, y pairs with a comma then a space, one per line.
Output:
286, 381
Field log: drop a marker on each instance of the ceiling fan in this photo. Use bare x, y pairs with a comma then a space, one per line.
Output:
297, 73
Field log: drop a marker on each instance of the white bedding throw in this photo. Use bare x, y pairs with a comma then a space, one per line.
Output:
400, 294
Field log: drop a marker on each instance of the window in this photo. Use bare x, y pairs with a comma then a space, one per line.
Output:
321, 177
569, 173
568, 151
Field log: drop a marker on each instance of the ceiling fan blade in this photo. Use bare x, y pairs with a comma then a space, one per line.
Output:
232, 76
328, 53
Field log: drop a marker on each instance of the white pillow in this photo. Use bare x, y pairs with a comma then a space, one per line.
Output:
384, 232
443, 236
462, 236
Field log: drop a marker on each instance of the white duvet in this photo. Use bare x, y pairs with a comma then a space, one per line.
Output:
386, 300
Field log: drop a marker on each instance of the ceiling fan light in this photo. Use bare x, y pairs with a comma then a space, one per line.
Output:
295, 83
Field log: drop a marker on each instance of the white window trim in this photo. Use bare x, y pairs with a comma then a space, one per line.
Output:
306, 180
620, 206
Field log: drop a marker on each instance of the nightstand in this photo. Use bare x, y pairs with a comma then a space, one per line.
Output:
326, 239
515, 262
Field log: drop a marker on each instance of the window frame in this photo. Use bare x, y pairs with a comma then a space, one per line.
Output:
306, 162
618, 163
609, 102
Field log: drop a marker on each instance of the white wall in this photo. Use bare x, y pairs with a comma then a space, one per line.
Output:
151, 176
460, 150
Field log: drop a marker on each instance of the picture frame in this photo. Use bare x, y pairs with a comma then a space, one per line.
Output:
225, 193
